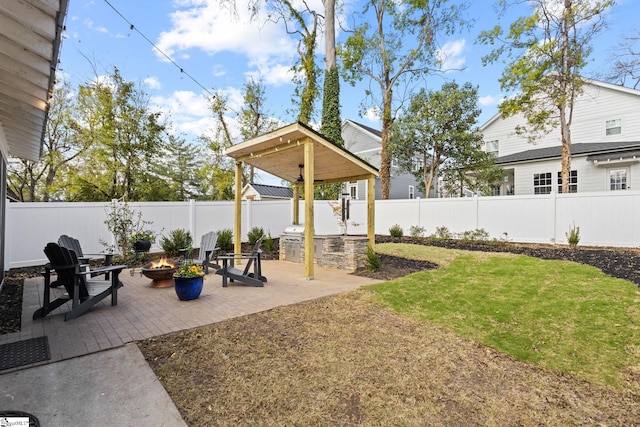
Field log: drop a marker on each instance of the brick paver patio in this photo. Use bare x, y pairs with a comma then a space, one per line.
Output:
144, 312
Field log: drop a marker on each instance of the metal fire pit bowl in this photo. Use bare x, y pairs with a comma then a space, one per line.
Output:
161, 277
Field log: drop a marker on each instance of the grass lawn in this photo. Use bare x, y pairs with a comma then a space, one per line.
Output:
557, 314
487, 339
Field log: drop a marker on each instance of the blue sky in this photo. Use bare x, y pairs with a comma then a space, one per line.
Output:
221, 52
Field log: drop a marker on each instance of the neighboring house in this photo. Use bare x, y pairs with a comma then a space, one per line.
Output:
605, 146
366, 143
266, 192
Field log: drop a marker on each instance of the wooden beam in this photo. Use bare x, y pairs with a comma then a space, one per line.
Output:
309, 229
345, 179
278, 148
237, 225
371, 206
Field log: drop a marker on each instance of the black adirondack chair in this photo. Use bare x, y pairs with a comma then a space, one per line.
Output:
74, 244
82, 291
251, 278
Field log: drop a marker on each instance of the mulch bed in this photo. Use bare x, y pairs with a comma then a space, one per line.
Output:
623, 263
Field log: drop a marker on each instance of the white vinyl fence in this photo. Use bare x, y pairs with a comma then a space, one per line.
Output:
605, 219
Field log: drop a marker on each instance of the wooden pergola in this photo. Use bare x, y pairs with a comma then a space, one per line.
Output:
294, 150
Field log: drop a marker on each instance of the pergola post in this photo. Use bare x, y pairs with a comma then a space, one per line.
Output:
371, 207
296, 204
237, 225
309, 229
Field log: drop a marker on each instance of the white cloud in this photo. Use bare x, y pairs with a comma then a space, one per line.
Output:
451, 55
490, 100
209, 26
153, 83
373, 114
92, 26
189, 112
218, 70
272, 74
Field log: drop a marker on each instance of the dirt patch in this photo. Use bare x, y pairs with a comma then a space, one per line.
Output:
345, 361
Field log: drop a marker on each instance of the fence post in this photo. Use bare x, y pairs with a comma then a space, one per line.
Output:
554, 207
192, 218
249, 216
477, 211
418, 202
114, 244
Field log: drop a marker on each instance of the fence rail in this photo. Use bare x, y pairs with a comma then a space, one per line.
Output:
605, 219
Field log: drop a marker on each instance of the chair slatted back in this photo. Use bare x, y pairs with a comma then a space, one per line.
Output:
208, 242
72, 244
65, 262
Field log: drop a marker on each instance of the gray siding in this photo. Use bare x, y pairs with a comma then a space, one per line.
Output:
367, 146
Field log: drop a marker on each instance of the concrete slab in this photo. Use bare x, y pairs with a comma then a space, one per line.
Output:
97, 375
111, 387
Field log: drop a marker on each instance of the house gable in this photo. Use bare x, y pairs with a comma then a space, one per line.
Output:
366, 143
363, 141
266, 192
599, 103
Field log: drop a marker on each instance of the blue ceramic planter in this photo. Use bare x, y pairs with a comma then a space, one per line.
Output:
188, 288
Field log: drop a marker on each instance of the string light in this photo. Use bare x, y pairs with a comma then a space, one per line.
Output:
134, 28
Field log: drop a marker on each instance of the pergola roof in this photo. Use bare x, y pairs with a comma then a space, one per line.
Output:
281, 153
29, 43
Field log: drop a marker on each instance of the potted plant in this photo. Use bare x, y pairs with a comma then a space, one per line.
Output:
188, 281
142, 240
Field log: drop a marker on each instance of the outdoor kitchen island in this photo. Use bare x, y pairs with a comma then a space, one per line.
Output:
336, 250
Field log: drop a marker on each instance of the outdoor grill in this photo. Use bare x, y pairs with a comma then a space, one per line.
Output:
291, 242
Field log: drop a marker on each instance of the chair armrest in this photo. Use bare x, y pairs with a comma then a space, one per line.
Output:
50, 266
246, 254
104, 269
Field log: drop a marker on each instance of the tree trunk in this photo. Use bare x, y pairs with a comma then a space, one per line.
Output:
565, 75
330, 33
385, 155
565, 130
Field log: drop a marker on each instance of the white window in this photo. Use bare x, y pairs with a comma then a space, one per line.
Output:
418, 164
542, 183
495, 190
492, 147
614, 127
618, 179
411, 192
352, 189
573, 182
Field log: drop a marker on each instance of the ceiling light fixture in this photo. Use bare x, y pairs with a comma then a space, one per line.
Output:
300, 179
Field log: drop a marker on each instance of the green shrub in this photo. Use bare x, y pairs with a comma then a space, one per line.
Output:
573, 236
442, 233
176, 241
396, 231
269, 244
416, 231
477, 235
373, 260
225, 239
254, 234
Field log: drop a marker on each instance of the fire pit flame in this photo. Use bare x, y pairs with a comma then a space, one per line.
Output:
162, 263
160, 272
